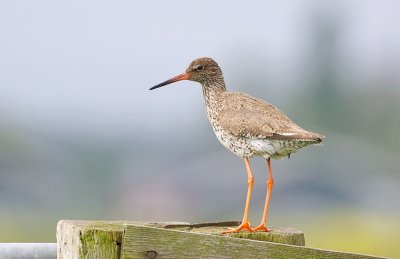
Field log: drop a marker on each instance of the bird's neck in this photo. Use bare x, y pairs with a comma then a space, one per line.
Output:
212, 91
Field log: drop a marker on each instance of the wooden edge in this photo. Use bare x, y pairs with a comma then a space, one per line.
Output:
150, 242
205, 224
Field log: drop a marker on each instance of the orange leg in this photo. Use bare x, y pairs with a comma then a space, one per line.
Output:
245, 225
270, 183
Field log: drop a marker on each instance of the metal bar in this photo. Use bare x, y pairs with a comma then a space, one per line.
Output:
28, 250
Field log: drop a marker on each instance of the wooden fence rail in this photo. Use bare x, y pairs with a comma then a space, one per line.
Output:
119, 239
28, 250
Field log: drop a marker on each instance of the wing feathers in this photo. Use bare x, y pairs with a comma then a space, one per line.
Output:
243, 115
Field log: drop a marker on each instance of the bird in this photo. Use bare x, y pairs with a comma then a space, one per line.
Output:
247, 126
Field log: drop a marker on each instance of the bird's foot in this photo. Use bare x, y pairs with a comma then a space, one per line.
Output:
245, 225
261, 228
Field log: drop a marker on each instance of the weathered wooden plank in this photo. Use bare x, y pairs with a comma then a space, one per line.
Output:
150, 242
102, 239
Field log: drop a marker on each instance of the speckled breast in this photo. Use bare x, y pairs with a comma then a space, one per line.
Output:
238, 145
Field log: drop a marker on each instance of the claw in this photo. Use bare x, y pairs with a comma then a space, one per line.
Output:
261, 228
244, 226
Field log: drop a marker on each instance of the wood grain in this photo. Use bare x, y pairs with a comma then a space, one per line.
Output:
149, 242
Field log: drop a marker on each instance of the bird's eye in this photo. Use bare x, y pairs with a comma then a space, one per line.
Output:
199, 67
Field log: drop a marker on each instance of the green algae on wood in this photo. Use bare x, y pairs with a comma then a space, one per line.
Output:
89, 239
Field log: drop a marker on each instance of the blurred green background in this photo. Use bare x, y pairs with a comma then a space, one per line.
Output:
81, 137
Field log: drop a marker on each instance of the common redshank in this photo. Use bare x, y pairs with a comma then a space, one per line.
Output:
247, 126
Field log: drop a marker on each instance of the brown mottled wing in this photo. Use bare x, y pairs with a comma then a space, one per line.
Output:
245, 116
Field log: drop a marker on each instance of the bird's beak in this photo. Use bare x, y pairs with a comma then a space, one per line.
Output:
184, 76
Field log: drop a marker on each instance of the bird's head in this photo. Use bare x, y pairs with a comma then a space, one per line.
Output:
201, 70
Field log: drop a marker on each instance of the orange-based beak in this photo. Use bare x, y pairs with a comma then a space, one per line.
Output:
183, 76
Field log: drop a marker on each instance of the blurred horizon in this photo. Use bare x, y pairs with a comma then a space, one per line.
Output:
82, 137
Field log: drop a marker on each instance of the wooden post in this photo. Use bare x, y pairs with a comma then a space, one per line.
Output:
90, 239
127, 239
